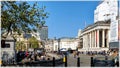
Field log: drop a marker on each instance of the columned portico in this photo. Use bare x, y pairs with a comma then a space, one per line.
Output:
106, 38
96, 37
90, 39
103, 38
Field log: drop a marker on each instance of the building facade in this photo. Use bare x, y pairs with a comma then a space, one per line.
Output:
66, 43
43, 33
49, 45
96, 36
108, 9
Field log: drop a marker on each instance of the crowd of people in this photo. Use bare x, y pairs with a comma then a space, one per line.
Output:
32, 56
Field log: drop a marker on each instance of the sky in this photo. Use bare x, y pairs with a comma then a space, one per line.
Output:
67, 17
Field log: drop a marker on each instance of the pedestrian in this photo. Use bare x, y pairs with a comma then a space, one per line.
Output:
74, 54
26, 54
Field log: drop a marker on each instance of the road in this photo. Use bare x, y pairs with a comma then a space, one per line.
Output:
84, 61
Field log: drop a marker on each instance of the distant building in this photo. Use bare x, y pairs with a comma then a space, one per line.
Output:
65, 43
55, 45
43, 33
49, 45
36, 35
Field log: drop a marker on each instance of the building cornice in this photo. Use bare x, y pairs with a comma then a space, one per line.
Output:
99, 23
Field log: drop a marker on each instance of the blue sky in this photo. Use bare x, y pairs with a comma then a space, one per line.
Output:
67, 17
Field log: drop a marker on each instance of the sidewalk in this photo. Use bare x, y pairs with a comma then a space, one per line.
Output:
53, 55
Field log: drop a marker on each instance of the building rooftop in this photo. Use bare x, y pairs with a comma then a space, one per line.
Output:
98, 23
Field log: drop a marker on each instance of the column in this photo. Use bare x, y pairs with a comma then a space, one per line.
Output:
103, 38
94, 39
97, 39
90, 39
107, 38
84, 41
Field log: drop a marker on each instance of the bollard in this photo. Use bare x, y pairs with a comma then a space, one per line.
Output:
117, 63
92, 63
65, 61
78, 62
53, 61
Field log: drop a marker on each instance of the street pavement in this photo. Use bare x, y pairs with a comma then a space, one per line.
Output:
71, 61
84, 61
53, 55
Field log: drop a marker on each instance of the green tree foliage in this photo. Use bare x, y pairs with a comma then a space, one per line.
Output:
20, 45
33, 42
21, 17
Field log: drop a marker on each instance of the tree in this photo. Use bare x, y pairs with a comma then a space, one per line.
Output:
34, 43
20, 45
18, 17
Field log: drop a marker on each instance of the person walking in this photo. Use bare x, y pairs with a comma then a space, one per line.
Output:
75, 54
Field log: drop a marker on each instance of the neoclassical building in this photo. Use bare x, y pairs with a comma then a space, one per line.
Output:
96, 36
66, 43
104, 30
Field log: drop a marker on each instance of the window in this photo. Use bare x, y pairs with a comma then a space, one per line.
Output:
4, 45
7, 45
